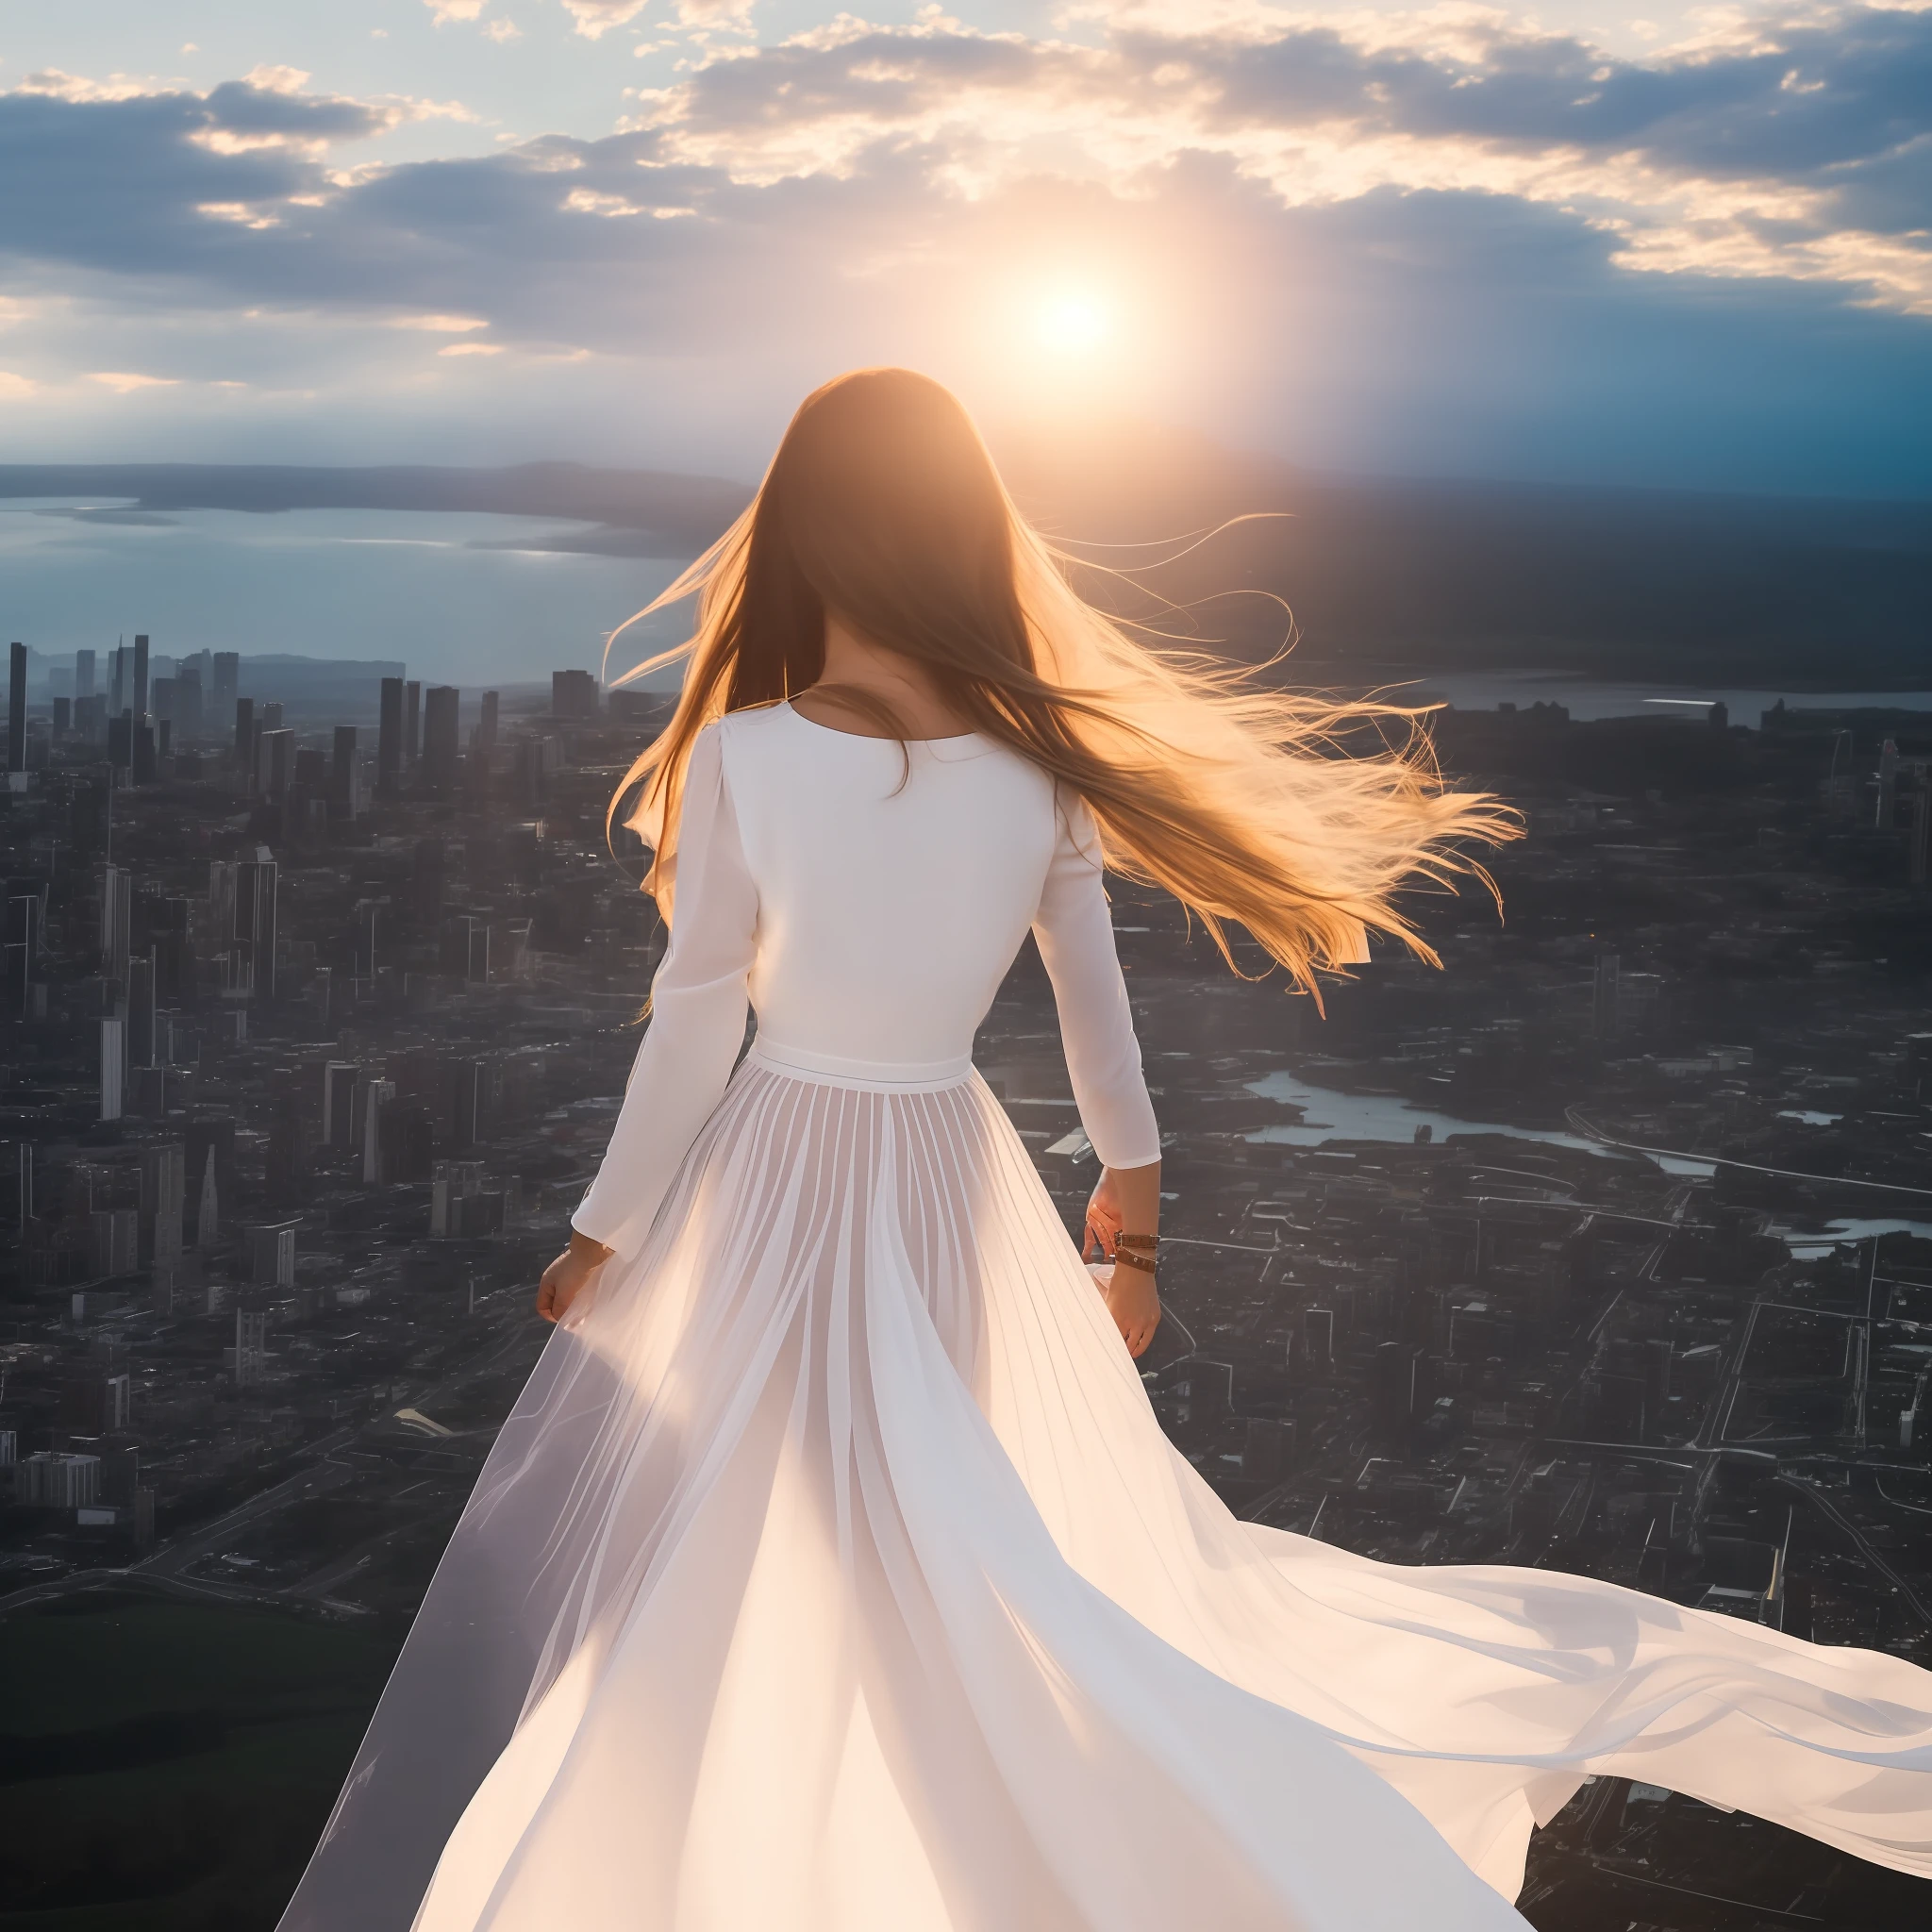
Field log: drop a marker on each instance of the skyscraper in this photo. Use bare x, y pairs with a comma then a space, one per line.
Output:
345, 775
16, 710
573, 694
227, 682
439, 737
251, 1336
189, 709
275, 761
83, 675
141, 1009
137, 704
486, 724
339, 1079
255, 921
163, 1192
388, 739
412, 722
245, 733
117, 910
113, 1069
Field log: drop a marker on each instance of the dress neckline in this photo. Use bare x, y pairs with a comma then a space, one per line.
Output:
872, 737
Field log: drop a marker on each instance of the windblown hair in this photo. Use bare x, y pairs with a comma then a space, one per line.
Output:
883, 504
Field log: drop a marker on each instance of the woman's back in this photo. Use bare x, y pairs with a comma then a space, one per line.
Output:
894, 885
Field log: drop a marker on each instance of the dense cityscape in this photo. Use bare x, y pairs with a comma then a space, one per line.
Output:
1609, 1248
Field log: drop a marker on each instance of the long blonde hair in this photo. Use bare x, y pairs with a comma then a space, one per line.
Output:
883, 504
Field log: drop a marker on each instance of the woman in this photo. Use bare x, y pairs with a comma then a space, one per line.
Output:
833, 1573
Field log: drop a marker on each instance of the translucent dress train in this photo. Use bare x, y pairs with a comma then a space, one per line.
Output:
833, 1574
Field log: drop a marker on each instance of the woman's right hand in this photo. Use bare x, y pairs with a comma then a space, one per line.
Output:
567, 1276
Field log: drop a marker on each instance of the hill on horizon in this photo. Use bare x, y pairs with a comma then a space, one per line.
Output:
1439, 575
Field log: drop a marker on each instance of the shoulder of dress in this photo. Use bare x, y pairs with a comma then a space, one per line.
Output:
739, 727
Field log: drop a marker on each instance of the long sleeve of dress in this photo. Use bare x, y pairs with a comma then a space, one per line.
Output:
1074, 930
698, 1007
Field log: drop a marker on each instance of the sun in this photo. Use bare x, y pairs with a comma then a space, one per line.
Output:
1073, 321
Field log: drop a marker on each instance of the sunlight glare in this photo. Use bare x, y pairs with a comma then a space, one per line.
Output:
1071, 322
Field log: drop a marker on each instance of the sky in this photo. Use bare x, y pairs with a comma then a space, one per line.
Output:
1652, 245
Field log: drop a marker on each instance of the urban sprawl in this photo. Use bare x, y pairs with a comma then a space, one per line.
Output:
1606, 1248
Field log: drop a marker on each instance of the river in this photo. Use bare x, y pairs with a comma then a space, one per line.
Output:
1328, 1114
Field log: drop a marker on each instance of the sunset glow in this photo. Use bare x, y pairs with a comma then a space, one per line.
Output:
1567, 242
1071, 322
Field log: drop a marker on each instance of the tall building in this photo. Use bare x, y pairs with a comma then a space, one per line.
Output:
138, 701
55, 1481
251, 1345
83, 675
221, 903
117, 914
439, 737
345, 775
208, 1205
163, 1202
1887, 782
388, 739
339, 1080
113, 1069
140, 1008
377, 1094
119, 669
1318, 1339
143, 751
486, 723
271, 1254
25, 920
16, 710
573, 694
114, 1234
1395, 1389
210, 1146
189, 707
412, 720
227, 682
254, 922
245, 734
274, 761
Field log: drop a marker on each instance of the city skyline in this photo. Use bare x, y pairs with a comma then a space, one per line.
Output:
1604, 1249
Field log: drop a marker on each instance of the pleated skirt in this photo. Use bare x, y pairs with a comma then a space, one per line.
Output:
833, 1574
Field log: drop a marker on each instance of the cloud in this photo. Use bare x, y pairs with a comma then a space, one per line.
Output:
444, 11
440, 325
125, 382
593, 19
17, 387
1443, 238
1777, 151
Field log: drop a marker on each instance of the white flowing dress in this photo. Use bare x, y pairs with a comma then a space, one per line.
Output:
833, 1573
